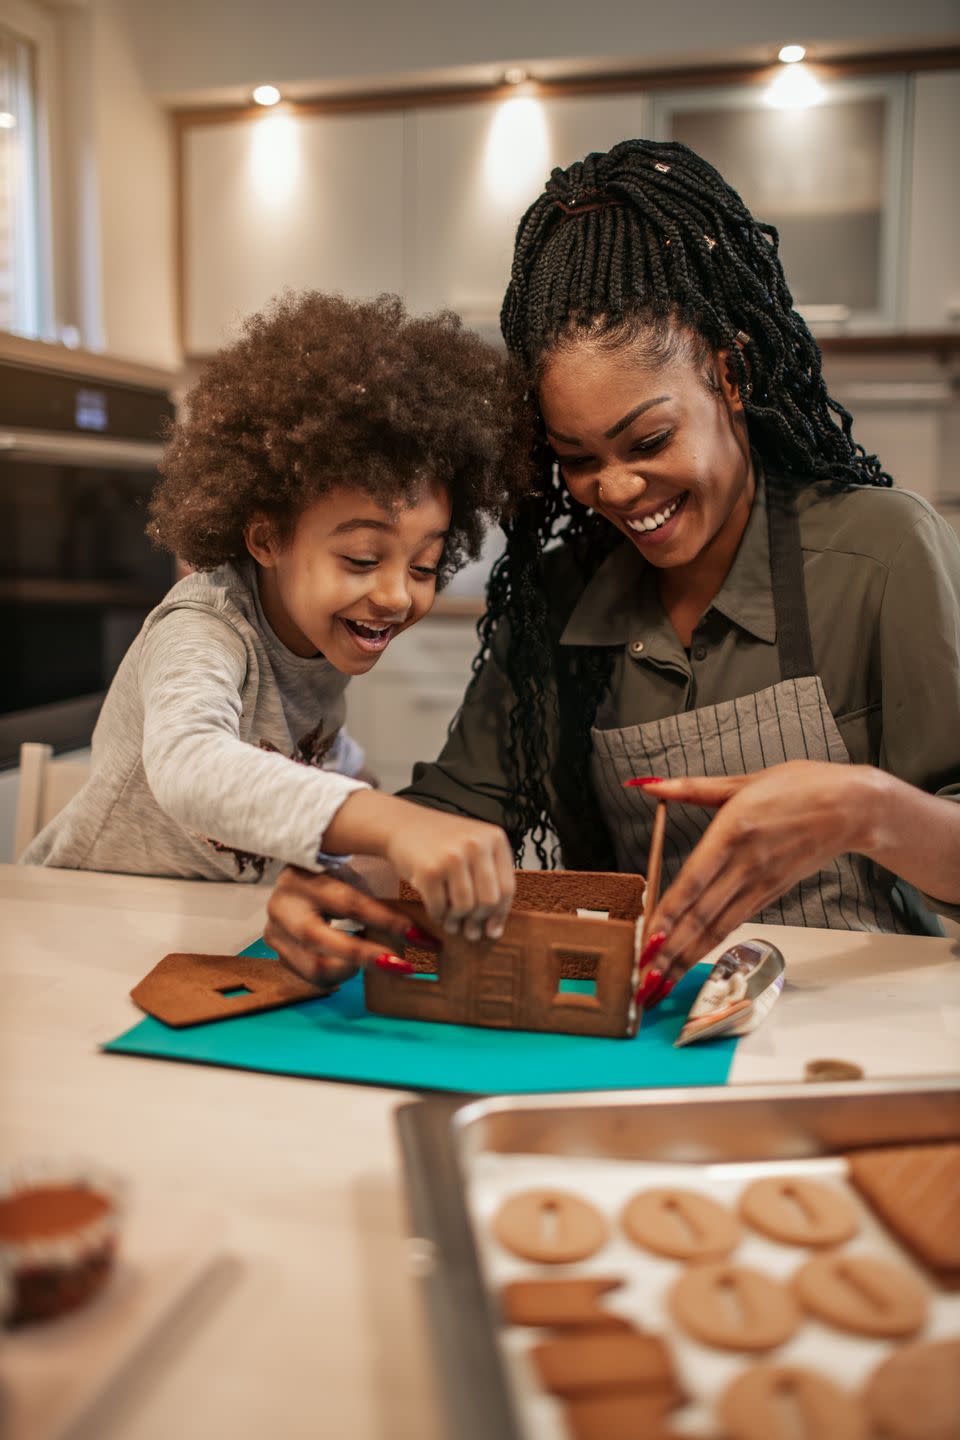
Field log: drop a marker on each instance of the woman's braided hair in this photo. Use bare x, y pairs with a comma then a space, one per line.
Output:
645, 247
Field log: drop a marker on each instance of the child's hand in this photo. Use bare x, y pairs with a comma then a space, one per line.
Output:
462, 868
299, 929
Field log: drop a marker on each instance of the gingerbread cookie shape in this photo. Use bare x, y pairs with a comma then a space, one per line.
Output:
733, 1307
861, 1294
915, 1393
562, 1304
551, 1227
619, 1415
915, 1189
786, 1402
585, 1364
681, 1224
797, 1211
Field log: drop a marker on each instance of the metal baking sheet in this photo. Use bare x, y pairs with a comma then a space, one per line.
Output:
462, 1160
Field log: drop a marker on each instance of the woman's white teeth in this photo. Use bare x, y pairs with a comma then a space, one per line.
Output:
653, 522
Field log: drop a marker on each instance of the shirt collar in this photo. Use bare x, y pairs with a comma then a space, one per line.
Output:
621, 598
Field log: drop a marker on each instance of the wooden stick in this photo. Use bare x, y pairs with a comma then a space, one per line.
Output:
654, 861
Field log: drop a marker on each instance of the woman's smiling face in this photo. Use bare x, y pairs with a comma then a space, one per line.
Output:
662, 453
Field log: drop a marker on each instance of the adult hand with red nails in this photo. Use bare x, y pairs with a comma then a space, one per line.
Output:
300, 925
772, 829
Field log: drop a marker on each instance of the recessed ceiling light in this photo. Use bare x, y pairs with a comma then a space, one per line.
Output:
7, 121
266, 95
790, 54
515, 75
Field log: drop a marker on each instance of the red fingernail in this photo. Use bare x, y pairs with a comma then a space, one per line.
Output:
640, 780
649, 986
386, 961
650, 1002
652, 947
416, 936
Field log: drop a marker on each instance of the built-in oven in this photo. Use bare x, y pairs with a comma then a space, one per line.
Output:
78, 460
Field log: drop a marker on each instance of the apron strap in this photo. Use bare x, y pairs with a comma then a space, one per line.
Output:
789, 595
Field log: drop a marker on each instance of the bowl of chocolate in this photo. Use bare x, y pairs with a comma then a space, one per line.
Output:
59, 1231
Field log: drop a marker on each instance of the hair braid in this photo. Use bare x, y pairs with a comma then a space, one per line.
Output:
644, 244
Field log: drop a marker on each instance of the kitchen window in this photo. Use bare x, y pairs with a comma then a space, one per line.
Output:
26, 48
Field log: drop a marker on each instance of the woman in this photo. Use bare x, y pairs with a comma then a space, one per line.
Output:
712, 584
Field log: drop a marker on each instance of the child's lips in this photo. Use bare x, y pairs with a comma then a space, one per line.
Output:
371, 639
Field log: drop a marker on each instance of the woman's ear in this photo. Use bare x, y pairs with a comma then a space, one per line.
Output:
261, 540
728, 376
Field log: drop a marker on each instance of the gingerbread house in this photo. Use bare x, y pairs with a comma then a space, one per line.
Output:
567, 961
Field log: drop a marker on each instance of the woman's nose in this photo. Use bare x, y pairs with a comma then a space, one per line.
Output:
619, 486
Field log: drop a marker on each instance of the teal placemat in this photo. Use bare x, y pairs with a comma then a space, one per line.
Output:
338, 1039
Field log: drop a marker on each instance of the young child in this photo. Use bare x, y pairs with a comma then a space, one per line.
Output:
335, 466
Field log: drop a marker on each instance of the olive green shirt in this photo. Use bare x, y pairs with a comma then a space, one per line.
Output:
882, 579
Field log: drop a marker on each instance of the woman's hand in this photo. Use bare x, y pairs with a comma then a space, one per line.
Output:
773, 828
298, 924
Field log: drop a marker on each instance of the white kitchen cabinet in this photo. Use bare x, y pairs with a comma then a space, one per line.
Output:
288, 201
932, 269
474, 169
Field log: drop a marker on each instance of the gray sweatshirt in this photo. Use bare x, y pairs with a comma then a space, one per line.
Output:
207, 755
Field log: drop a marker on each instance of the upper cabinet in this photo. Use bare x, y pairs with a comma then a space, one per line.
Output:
824, 163
288, 201
932, 251
424, 199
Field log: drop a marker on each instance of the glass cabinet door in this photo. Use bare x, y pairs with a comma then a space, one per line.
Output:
824, 164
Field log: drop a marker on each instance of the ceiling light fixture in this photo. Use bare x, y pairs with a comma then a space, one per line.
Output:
791, 54
7, 121
266, 95
515, 75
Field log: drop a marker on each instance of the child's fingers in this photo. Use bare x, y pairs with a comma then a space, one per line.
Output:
506, 884
321, 954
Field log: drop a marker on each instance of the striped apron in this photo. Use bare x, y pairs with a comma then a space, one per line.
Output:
788, 721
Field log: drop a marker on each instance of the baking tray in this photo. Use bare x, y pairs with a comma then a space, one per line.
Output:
447, 1143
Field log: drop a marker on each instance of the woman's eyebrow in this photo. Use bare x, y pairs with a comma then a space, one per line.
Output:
621, 424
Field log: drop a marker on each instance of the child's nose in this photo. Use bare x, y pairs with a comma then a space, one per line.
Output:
392, 595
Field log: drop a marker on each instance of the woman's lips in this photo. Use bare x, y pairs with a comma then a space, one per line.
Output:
658, 525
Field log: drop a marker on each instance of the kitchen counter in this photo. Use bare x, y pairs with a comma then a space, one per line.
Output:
316, 1328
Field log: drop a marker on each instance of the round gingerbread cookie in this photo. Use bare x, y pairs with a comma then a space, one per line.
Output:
682, 1224
915, 1393
861, 1294
785, 1402
797, 1211
552, 1227
733, 1307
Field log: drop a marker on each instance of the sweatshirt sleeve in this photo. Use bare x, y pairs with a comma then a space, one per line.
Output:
192, 670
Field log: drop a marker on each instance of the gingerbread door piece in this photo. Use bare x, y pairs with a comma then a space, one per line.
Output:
553, 968
191, 989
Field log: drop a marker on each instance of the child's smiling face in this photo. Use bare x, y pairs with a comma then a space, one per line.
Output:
352, 575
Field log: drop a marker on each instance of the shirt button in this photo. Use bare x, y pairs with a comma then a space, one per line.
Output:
700, 653
636, 647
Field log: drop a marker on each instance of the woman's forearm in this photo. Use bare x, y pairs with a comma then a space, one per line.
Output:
910, 833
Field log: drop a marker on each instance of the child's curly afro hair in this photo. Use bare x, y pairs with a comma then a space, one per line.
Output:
321, 392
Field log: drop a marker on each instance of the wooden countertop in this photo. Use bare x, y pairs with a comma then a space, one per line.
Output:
320, 1331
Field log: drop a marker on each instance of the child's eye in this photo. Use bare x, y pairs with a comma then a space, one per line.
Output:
426, 571
360, 563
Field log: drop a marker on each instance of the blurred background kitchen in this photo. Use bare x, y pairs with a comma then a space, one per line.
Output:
166, 168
